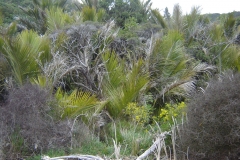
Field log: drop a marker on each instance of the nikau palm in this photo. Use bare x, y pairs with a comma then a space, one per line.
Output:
37, 17
122, 83
173, 70
24, 54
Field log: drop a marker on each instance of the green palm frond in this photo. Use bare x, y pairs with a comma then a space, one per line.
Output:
193, 17
122, 84
90, 3
24, 53
37, 17
75, 103
42, 81
230, 58
57, 19
100, 15
136, 80
217, 33
12, 28
91, 14
38, 46
193, 23
177, 18
115, 68
88, 14
158, 18
229, 25
174, 71
169, 54
176, 88
183, 82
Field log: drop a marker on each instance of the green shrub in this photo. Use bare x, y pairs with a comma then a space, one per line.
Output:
138, 114
213, 118
172, 110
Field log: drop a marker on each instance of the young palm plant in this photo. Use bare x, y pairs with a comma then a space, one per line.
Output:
158, 18
177, 21
57, 19
91, 14
172, 69
123, 82
24, 53
220, 44
36, 16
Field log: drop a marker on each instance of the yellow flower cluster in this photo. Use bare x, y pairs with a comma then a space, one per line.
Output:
138, 114
172, 110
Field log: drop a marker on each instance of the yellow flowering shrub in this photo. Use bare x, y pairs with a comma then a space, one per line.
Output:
138, 114
172, 110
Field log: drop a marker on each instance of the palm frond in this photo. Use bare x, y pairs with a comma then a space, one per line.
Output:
24, 54
115, 70
57, 19
41, 81
174, 70
229, 24
36, 19
75, 103
123, 84
88, 14
230, 58
158, 18
177, 18
192, 22
12, 28
169, 54
178, 87
216, 32
100, 15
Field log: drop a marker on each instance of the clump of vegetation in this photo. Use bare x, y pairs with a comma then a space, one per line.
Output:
139, 114
29, 123
117, 74
172, 111
211, 131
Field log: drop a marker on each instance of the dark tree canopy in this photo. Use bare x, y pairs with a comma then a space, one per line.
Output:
122, 10
9, 9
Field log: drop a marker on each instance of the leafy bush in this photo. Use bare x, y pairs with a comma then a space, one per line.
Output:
28, 123
212, 130
138, 114
172, 110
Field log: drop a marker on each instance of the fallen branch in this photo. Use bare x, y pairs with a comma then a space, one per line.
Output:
82, 157
158, 143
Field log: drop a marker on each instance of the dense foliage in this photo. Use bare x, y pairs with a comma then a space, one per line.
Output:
105, 70
10, 10
213, 120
